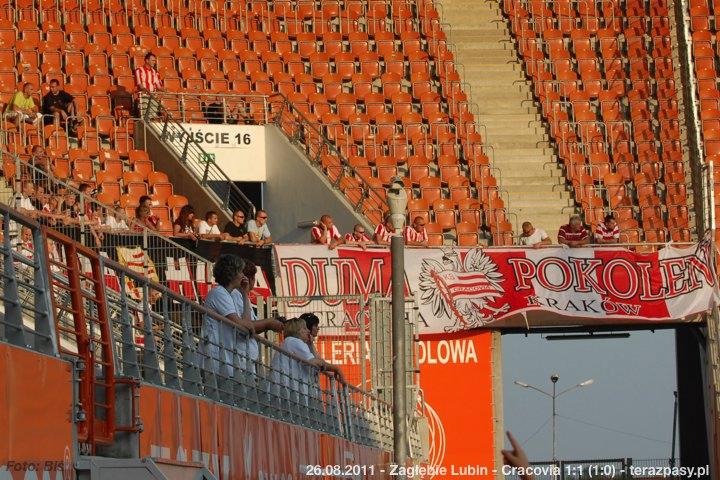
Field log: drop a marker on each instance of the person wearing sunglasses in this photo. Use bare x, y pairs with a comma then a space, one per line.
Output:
258, 229
358, 237
416, 234
236, 229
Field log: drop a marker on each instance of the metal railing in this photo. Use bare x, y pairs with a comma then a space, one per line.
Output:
139, 247
86, 308
194, 158
167, 340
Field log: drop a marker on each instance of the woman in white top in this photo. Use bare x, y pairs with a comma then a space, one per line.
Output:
116, 220
293, 375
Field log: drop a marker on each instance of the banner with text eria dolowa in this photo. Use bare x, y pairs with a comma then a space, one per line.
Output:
459, 289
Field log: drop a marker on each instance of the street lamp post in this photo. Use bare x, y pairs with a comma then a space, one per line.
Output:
397, 201
554, 379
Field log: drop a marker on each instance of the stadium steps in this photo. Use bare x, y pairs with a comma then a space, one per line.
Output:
505, 98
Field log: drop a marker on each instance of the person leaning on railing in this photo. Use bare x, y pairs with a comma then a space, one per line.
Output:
292, 374
184, 225
533, 237
236, 229
219, 336
258, 229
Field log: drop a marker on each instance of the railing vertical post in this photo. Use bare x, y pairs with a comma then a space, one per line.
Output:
14, 332
46, 342
130, 367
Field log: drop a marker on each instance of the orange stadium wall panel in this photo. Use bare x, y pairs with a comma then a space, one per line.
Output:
238, 445
35, 414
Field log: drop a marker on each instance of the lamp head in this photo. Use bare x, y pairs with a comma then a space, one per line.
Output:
554, 377
521, 384
587, 382
397, 201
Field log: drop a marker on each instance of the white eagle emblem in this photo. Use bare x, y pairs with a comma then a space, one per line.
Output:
462, 290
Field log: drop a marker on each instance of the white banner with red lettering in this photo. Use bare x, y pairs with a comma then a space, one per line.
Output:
459, 289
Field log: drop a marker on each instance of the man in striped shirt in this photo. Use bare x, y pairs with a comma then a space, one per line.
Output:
574, 234
326, 233
416, 234
384, 232
607, 231
358, 237
147, 82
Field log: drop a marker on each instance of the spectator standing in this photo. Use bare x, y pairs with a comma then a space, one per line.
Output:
326, 233
22, 107
312, 322
219, 337
416, 234
574, 234
384, 232
183, 226
607, 231
358, 237
147, 82
58, 106
249, 347
258, 229
208, 229
533, 237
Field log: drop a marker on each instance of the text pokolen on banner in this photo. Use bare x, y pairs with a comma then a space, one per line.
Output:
459, 289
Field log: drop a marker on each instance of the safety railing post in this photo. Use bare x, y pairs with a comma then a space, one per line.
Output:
46, 338
191, 365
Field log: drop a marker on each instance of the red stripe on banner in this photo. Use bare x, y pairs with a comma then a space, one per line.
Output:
620, 280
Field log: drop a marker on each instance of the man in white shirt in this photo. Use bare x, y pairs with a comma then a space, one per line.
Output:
534, 237
326, 233
208, 229
24, 200
258, 229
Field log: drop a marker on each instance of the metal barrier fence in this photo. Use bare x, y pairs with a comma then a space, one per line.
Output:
354, 332
141, 249
197, 161
121, 327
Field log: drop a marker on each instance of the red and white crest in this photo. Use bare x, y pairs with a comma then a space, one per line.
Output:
462, 289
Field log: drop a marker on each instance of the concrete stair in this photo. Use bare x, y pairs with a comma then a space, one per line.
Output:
522, 152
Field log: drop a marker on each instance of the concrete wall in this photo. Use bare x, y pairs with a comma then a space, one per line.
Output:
297, 192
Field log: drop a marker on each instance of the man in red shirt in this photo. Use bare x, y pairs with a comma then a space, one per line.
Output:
608, 231
574, 234
416, 234
147, 82
384, 231
326, 233
358, 237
